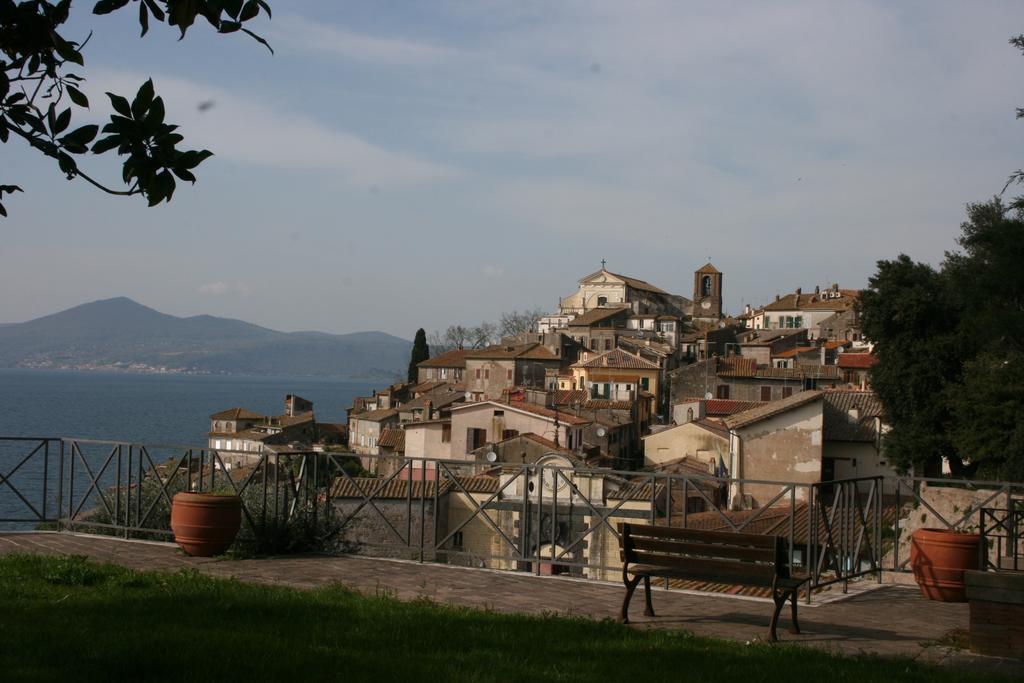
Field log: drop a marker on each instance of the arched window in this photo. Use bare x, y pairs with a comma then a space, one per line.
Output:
705, 286
689, 414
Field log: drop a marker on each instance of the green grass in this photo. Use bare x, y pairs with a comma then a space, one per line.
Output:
69, 619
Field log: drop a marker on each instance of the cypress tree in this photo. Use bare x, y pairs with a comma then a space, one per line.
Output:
420, 353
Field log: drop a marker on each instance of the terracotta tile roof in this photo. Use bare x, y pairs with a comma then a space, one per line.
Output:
763, 412
856, 361
840, 422
607, 404
800, 372
596, 315
401, 489
376, 415
722, 407
636, 490
566, 397
716, 427
531, 351
429, 385
817, 302
736, 366
837, 344
631, 281
236, 414
564, 417
393, 439
618, 358
456, 358
789, 353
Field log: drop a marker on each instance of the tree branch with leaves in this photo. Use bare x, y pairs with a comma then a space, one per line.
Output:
38, 78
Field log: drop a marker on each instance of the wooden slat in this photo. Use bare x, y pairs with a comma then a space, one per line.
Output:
696, 565
697, 572
721, 550
699, 535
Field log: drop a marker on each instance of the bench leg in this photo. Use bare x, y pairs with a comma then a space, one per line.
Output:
795, 626
648, 607
780, 602
631, 585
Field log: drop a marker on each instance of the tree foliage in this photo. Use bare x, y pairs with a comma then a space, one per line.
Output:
950, 369
40, 88
420, 353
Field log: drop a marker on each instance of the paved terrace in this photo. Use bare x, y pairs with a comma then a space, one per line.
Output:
883, 620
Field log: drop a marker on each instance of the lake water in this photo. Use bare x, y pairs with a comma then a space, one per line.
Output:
153, 409
172, 409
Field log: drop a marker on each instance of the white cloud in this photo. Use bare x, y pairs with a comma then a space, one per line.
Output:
246, 129
220, 288
302, 35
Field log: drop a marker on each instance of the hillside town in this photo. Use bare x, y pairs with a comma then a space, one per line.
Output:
625, 376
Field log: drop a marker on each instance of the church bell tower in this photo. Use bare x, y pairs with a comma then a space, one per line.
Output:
707, 293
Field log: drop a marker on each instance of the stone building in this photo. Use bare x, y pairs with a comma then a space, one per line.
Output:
492, 371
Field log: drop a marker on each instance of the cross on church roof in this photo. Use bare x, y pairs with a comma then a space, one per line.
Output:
602, 264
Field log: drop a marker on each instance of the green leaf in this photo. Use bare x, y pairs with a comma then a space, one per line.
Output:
108, 6
106, 144
249, 11
143, 99
63, 121
155, 117
120, 104
77, 96
258, 39
82, 136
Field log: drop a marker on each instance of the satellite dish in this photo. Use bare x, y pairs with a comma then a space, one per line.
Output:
491, 456
708, 396
601, 431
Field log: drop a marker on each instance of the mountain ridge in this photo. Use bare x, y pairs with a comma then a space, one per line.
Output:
122, 334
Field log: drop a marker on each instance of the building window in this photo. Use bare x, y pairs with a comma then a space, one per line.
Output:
787, 392
766, 393
593, 344
689, 414
509, 434
487, 374
602, 301
446, 433
499, 413
705, 286
607, 344
457, 540
607, 390
478, 373
508, 375
645, 383
722, 391
767, 321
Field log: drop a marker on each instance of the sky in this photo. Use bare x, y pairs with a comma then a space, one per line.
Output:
396, 165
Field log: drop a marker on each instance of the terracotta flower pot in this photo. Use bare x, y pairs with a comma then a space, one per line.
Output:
205, 524
939, 558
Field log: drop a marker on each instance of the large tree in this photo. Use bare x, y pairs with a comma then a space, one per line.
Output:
42, 72
950, 369
420, 353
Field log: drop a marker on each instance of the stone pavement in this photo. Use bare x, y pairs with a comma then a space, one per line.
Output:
888, 620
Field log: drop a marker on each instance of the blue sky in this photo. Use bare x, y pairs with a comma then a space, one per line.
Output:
398, 165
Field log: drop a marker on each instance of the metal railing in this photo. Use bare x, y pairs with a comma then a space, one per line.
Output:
527, 517
1001, 547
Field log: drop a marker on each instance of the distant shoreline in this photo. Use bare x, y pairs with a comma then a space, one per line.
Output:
104, 370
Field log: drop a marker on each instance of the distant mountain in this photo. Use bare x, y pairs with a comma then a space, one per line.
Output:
121, 334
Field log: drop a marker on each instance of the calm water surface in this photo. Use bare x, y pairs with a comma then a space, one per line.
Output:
151, 409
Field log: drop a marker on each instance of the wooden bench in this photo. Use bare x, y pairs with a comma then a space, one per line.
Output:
718, 556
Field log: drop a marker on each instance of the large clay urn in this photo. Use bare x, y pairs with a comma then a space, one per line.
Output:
939, 558
205, 524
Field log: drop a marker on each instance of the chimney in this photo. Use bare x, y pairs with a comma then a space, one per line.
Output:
428, 410
798, 291
776, 297
817, 289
